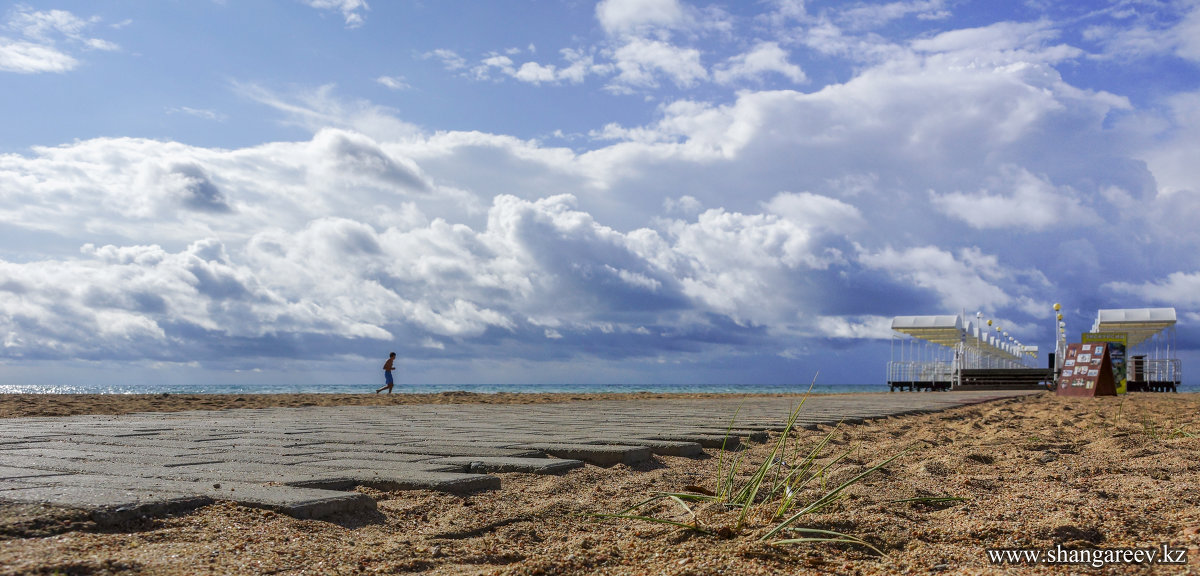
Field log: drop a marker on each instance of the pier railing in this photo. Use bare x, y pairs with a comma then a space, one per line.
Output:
1158, 375
920, 375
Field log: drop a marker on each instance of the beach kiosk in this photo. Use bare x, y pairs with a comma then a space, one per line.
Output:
1148, 335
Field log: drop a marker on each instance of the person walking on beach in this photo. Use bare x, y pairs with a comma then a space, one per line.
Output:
387, 373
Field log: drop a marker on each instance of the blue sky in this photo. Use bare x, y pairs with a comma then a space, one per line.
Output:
567, 191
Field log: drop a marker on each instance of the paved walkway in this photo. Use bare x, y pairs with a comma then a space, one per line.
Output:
306, 461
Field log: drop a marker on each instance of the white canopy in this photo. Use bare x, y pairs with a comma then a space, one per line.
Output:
1139, 323
944, 330
949, 331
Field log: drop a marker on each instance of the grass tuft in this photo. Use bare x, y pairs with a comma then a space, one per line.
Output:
790, 483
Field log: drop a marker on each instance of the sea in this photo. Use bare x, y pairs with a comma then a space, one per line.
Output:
159, 388
307, 388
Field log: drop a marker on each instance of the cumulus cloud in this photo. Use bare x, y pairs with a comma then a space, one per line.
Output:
1177, 289
1172, 158
968, 279
1025, 201
577, 66
648, 42
1187, 34
640, 63
640, 17
765, 58
855, 328
449, 58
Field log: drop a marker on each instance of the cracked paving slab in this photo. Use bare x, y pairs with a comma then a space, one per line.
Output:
306, 461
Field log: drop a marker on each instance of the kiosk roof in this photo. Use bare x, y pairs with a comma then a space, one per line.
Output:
1139, 323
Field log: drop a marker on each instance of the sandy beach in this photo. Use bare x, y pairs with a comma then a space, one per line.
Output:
14, 405
1038, 472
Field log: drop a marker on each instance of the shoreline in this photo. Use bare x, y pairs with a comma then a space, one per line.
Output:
1033, 472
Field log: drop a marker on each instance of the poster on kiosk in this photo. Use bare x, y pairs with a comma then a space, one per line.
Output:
1117, 343
1087, 371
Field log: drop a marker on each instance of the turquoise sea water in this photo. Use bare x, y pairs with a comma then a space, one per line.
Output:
428, 389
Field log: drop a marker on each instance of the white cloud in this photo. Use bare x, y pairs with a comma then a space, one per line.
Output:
42, 31
579, 66
1173, 158
965, 280
640, 16
1024, 201
766, 57
450, 59
351, 10
871, 16
198, 113
739, 265
500, 62
46, 26
394, 82
816, 212
639, 63
1000, 44
1177, 289
1170, 29
685, 204
30, 58
535, 73
297, 259
317, 109
856, 327
1187, 34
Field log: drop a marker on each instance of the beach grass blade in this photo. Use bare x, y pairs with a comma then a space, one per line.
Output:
929, 500
825, 536
749, 493
830, 496
678, 499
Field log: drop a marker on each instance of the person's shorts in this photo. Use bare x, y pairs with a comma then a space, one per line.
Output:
387, 376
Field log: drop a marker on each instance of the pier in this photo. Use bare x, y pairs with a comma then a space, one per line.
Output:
955, 352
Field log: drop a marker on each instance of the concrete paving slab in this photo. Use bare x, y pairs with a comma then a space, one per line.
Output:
661, 447
453, 482
598, 454
107, 506
706, 440
120, 467
490, 464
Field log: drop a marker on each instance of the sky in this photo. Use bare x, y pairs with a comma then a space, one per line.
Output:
568, 191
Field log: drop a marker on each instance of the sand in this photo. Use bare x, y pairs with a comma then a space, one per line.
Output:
1039, 472
12, 405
